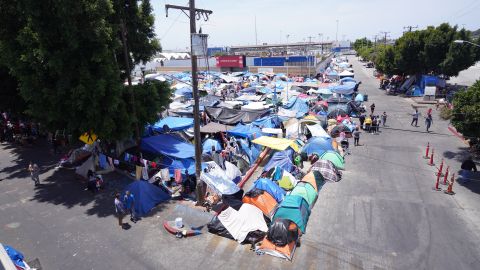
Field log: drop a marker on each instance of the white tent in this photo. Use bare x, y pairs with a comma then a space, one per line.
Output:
346, 73
218, 180
318, 131
239, 223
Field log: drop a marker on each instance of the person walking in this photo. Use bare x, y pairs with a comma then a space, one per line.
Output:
384, 118
415, 118
361, 118
374, 125
356, 137
119, 209
129, 202
34, 173
428, 122
372, 108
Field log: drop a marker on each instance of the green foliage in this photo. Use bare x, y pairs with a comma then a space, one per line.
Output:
10, 99
362, 42
384, 60
466, 111
446, 113
150, 99
430, 51
367, 53
65, 56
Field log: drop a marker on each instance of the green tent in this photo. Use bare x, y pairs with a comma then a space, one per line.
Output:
307, 191
335, 158
296, 209
288, 181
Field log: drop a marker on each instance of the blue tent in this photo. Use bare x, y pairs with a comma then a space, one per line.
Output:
297, 104
168, 145
272, 188
173, 124
252, 152
271, 121
348, 79
147, 196
344, 89
245, 131
317, 145
187, 92
282, 159
207, 146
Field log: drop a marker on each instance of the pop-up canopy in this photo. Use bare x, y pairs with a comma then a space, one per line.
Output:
276, 143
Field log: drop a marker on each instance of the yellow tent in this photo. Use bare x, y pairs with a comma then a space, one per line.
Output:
311, 117
88, 138
276, 143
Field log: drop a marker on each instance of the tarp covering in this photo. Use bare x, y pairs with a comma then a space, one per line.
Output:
335, 158
252, 152
276, 143
245, 131
218, 180
297, 104
169, 145
214, 127
147, 196
306, 191
272, 121
207, 146
263, 200
282, 159
327, 169
343, 89
296, 209
318, 131
317, 145
232, 116
239, 223
173, 124
187, 92
269, 186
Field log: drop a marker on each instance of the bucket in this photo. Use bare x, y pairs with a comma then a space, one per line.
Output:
365, 97
179, 222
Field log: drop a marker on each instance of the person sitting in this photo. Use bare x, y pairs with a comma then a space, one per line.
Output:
91, 181
469, 165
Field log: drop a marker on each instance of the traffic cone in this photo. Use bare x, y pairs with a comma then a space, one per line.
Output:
426, 151
436, 183
449, 190
446, 176
440, 169
431, 158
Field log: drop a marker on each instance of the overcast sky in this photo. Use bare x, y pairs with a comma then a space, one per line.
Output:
233, 21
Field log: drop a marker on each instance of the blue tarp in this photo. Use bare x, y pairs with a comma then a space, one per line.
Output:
173, 124
207, 146
185, 91
282, 159
271, 188
168, 145
360, 98
252, 152
297, 104
272, 121
15, 255
344, 89
245, 131
147, 196
317, 145
348, 79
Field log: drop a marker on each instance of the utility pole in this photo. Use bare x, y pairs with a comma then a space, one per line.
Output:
256, 42
308, 55
385, 34
336, 34
195, 14
410, 28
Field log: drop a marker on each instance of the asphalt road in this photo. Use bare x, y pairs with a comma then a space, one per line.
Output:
383, 214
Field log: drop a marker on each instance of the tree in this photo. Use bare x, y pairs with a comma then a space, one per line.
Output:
64, 56
362, 42
466, 111
10, 99
385, 60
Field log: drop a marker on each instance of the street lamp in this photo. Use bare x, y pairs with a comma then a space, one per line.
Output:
459, 41
142, 68
286, 62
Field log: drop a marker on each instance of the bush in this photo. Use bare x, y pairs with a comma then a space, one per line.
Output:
446, 113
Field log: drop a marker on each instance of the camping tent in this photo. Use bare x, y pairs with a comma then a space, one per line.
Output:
296, 209
168, 145
271, 121
276, 143
306, 191
208, 144
317, 145
245, 131
173, 124
147, 196
318, 131
262, 200
288, 181
335, 158
297, 104
269, 186
346, 73
218, 180
315, 179
239, 223
282, 159
326, 169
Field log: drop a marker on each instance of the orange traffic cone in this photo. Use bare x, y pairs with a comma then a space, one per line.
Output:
436, 183
446, 176
440, 169
431, 158
427, 151
449, 190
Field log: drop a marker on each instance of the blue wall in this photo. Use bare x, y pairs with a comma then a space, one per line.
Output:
280, 61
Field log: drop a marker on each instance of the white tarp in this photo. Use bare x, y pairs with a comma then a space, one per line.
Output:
317, 131
232, 171
291, 128
255, 106
276, 131
83, 169
216, 178
286, 113
345, 73
249, 97
239, 223
229, 79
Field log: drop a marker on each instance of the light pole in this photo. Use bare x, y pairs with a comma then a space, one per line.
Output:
336, 34
286, 62
459, 41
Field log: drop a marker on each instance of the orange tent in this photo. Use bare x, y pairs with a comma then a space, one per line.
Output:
286, 252
264, 202
315, 178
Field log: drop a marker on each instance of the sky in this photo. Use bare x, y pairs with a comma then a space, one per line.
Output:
233, 21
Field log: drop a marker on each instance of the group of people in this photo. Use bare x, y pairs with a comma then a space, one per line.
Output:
13, 129
428, 119
372, 123
123, 206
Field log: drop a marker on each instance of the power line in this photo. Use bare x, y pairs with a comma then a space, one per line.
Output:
385, 34
410, 28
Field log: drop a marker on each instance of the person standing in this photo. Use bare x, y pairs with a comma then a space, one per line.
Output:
372, 108
356, 137
361, 118
374, 125
384, 118
415, 118
34, 173
428, 121
129, 202
119, 209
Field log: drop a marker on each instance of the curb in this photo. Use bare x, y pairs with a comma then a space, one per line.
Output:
457, 134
